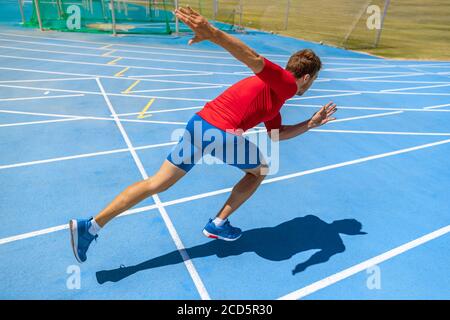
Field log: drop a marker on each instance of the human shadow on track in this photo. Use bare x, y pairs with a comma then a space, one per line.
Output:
272, 243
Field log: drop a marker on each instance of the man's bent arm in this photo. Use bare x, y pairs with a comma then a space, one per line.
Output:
291, 131
321, 117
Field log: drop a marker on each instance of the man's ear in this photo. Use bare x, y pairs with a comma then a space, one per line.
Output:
306, 78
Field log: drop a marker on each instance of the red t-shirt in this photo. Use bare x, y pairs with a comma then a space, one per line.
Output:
252, 100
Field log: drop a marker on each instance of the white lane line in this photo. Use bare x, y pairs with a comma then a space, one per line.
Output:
438, 134
367, 116
39, 114
32, 234
226, 190
393, 73
328, 281
160, 145
43, 97
382, 77
77, 117
115, 44
369, 108
120, 50
149, 77
438, 106
65, 226
142, 78
93, 76
174, 61
326, 96
133, 77
219, 53
177, 89
380, 92
84, 155
390, 81
166, 53
175, 123
21, 164
414, 88
48, 80
431, 65
362, 66
176, 71
365, 159
97, 93
161, 111
15, 124
173, 233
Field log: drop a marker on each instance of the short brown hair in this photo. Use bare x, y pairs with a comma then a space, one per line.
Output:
304, 62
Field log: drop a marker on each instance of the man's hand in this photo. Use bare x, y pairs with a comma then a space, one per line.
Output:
203, 30
323, 115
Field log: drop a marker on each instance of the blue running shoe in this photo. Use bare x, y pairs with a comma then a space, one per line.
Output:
81, 238
226, 232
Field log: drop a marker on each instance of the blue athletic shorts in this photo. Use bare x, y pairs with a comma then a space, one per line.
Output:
201, 138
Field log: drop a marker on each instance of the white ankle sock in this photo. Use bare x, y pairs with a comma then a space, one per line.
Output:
94, 228
219, 222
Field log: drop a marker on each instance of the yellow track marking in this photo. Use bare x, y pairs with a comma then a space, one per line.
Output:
115, 60
106, 54
120, 73
131, 87
142, 114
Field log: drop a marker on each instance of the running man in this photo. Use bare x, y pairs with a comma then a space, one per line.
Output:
244, 105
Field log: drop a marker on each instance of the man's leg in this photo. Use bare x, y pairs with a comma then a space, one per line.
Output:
220, 228
242, 191
83, 232
167, 175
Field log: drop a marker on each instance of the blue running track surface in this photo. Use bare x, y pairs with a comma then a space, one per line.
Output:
383, 164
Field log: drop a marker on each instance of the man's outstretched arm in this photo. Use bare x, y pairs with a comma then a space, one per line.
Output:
205, 31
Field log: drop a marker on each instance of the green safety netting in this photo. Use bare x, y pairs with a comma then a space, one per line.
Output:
124, 16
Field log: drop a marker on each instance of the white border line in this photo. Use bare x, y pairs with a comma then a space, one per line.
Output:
219, 52
83, 155
43, 97
438, 106
173, 233
76, 117
142, 78
177, 89
328, 281
226, 190
367, 116
15, 124
426, 109
416, 88
401, 133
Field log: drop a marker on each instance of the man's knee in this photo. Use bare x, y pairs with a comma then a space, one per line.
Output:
259, 172
153, 185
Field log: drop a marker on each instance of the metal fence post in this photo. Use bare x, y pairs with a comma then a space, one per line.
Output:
355, 22
286, 18
21, 11
386, 6
113, 17
240, 14
38, 14
177, 21
215, 9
